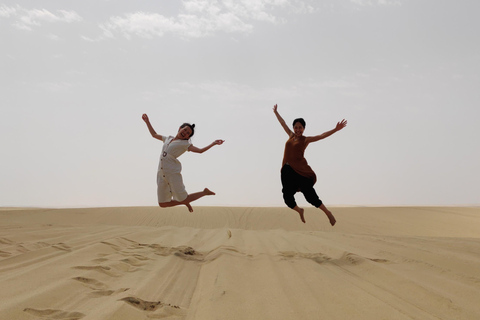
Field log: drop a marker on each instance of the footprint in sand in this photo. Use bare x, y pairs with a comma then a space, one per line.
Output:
54, 314
98, 268
102, 257
91, 283
319, 258
5, 254
113, 246
188, 253
6, 241
103, 293
140, 257
354, 259
103, 269
128, 241
380, 260
40, 245
133, 262
62, 246
146, 305
20, 248
100, 289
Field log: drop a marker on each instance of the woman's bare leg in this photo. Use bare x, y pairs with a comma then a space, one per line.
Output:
172, 203
329, 214
300, 212
197, 195
190, 198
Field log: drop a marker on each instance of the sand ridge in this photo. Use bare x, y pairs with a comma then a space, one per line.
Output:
239, 263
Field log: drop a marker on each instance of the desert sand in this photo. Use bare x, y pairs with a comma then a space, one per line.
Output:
240, 263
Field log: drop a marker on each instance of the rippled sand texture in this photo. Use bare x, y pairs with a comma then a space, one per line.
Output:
240, 263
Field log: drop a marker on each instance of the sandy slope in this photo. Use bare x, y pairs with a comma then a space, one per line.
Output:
240, 263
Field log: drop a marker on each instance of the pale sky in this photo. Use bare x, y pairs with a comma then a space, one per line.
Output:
76, 76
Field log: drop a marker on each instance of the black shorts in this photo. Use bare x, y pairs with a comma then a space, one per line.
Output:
292, 182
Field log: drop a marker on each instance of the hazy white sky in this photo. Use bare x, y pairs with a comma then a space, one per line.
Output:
76, 76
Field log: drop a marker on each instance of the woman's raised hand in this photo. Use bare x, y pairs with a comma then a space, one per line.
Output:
340, 125
218, 142
145, 117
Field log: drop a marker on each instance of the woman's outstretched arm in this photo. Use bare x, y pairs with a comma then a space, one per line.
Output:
340, 125
282, 122
192, 148
150, 128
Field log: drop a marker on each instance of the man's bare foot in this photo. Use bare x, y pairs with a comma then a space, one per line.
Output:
208, 192
300, 212
189, 207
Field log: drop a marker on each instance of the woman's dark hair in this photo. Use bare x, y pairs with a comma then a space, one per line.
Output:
302, 122
191, 126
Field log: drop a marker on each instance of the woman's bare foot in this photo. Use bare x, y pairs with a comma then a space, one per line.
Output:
329, 214
300, 212
331, 218
208, 192
189, 207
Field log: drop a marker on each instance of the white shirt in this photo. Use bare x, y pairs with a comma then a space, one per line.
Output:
170, 152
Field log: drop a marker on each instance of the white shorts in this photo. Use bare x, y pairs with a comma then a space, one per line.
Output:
170, 186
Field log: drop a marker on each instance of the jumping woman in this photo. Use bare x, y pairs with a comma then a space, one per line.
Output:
170, 188
296, 174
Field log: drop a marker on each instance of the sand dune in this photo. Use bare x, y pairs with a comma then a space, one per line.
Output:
239, 263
